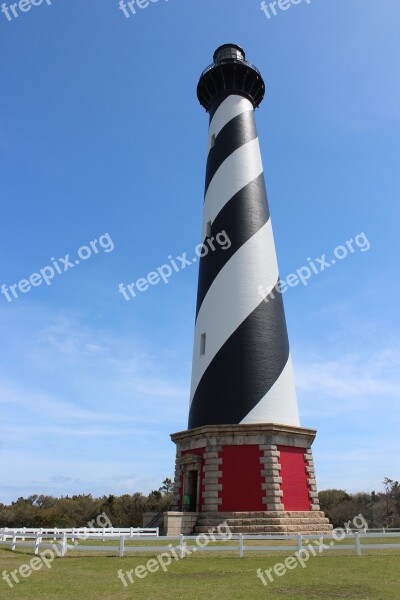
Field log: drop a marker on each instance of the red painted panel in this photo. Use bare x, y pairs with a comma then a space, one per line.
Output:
294, 478
241, 479
198, 452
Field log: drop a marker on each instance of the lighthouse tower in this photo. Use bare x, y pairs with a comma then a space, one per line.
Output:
244, 457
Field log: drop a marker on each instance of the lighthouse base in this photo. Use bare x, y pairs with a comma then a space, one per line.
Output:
259, 478
272, 522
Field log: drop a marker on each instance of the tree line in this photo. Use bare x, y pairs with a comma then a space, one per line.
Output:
379, 509
79, 510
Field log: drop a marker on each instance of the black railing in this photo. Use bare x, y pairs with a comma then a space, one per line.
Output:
231, 60
230, 76
159, 514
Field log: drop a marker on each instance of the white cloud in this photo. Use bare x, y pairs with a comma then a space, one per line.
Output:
348, 383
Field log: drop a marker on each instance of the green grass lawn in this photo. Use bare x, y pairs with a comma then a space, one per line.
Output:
370, 577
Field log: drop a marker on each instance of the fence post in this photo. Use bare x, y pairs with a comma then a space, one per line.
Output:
121, 546
158, 532
14, 539
131, 532
181, 546
299, 542
358, 543
241, 548
23, 531
37, 543
63, 543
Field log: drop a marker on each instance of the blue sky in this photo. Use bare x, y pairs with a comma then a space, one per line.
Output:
101, 132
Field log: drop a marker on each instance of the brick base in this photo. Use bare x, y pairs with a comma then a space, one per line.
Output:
274, 470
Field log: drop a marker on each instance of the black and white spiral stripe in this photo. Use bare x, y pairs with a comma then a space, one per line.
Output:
245, 374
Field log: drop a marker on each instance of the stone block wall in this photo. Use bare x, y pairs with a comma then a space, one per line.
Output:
269, 491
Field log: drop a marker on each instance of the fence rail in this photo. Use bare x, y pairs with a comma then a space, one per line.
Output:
78, 532
378, 529
18, 539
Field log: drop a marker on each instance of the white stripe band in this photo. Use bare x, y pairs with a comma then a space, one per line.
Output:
238, 170
230, 108
279, 405
246, 279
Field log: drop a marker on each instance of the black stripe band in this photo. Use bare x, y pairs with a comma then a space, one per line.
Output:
238, 131
216, 104
244, 214
245, 368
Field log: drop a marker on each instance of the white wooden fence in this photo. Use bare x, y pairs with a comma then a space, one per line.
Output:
244, 543
81, 531
378, 530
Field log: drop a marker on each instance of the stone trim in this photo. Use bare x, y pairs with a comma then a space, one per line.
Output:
272, 495
270, 486
266, 436
271, 472
213, 507
211, 477
207, 468
224, 435
190, 459
271, 479
273, 506
312, 482
211, 487
270, 467
213, 461
177, 480
210, 454
210, 494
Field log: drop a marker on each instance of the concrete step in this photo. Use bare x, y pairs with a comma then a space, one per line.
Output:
262, 514
259, 521
311, 529
312, 522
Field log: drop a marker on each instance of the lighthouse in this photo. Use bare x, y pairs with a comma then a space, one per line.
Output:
241, 369
244, 457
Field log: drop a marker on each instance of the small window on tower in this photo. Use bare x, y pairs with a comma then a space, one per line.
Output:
208, 229
212, 141
203, 344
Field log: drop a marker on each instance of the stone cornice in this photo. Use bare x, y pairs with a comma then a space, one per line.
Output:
237, 430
